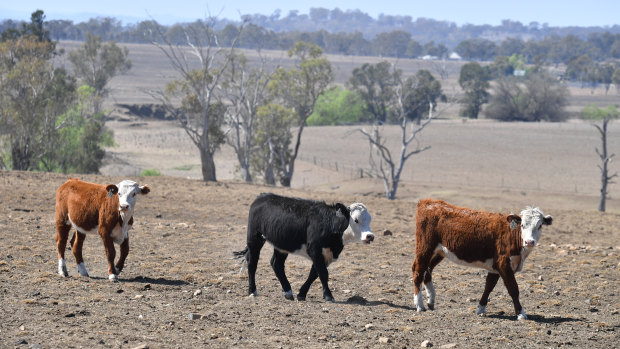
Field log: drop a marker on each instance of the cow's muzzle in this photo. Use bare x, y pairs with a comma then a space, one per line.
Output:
529, 243
123, 207
369, 237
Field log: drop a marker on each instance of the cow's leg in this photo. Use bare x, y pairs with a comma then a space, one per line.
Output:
110, 253
77, 241
252, 256
277, 263
318, 263
419, 268
124, 252
62, 233
303, 291
488, 287
510, 282
428, 281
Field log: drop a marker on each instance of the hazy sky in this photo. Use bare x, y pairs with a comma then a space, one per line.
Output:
553, 12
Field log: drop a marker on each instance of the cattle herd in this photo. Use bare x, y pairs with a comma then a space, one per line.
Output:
498, 243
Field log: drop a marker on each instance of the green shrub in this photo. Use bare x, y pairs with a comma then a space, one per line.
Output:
336, 106
150, 172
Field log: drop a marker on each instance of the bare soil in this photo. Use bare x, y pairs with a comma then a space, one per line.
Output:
180, 263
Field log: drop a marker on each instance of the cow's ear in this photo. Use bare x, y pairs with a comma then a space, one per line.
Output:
342, 211
547, 220
514, 221
145, 190
111, 189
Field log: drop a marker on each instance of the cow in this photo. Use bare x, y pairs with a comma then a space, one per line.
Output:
93, 208
498, 243
311, 229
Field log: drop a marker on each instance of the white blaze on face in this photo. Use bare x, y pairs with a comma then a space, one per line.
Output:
532, 220
359, 224
127, 191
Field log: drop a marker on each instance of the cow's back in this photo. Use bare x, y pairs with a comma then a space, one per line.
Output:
81, 201
458, 229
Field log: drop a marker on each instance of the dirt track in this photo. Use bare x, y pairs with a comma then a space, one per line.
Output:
182, 240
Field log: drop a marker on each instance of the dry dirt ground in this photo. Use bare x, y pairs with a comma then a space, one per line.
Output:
180, 263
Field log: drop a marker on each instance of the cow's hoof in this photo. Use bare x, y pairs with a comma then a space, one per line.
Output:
329, 299
82, 269
113, 277
431, 306
63, 272
289, 295
522, 316
301, 298
482, 310
420, 309
253, 294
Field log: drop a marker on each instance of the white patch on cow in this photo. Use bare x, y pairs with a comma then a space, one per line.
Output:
302, 251
81, 230
359, 225
418, 302
113, 277
430, 293
62, 267
482, 310
522, 316
444, 252
82, 269
121, 232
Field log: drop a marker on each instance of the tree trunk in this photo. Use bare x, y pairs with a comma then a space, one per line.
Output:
208, 166
604, 176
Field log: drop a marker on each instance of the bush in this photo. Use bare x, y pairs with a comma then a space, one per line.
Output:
537, 97
150, 172
336, 106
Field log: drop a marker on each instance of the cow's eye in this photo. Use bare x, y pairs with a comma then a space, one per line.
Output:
134, 194
356, 220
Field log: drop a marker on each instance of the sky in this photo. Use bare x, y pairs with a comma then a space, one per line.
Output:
553, 12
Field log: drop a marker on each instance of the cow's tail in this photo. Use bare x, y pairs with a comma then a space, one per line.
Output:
241, 254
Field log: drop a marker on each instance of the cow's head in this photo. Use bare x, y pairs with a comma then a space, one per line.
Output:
359, 224
127, 191
531, 222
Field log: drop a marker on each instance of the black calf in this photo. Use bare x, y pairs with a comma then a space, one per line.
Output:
308, 228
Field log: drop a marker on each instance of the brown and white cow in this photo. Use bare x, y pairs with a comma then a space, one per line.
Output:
95, 209
495, 242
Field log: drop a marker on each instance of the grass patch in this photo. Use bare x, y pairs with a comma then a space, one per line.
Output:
150, 172
186, 167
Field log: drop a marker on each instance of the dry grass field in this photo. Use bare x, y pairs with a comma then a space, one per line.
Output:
185, 231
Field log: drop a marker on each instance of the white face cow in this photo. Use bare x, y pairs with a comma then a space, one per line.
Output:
359, 225
531, 221
127, 191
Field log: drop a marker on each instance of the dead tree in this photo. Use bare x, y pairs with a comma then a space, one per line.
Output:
383, 165
606, 178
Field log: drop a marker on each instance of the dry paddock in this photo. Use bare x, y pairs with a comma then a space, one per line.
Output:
180, 264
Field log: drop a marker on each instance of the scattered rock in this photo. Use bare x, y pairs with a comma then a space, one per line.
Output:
449, 345
141, 346
540, 278
20, 341
369, 326
426, 344
139, 296
194, 316
384, 340
548, 331
22, 328
35, 346
557, 293
197, 292
387, 232
214, 336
